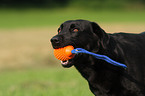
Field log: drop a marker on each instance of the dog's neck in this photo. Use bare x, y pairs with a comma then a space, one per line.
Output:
100, 75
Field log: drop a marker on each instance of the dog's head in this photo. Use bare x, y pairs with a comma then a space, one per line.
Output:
80, 34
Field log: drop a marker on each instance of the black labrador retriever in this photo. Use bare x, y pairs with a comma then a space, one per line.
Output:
105, 79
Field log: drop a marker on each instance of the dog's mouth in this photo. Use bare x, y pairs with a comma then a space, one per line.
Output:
68, 63
65, 63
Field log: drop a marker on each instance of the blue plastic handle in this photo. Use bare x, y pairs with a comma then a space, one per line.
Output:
98, 56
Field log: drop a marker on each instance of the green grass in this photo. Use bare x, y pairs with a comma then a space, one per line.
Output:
43, 82
39, 18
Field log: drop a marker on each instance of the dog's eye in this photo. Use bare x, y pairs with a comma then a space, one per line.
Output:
75, 30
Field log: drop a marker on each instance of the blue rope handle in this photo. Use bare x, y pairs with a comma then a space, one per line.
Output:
98, 56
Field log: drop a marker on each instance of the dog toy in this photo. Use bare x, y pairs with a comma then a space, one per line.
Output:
68, 52
64, 53
98, 56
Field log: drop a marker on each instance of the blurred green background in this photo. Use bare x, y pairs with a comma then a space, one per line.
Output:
27, 64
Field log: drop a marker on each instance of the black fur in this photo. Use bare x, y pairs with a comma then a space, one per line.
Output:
105, 79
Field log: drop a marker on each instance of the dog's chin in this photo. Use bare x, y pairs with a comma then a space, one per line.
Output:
67, 64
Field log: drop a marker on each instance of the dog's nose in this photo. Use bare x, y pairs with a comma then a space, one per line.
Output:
55, 40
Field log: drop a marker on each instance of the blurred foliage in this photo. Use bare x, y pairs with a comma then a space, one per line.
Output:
33, 3
92, 4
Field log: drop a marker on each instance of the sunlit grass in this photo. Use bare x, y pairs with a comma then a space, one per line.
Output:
22, 48
26, 48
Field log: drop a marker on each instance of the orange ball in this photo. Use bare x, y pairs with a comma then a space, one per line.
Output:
64, 53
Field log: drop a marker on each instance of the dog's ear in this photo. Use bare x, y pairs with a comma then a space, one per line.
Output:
98, 30
100, 33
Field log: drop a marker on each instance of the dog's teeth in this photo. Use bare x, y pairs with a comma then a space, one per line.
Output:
64, 63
